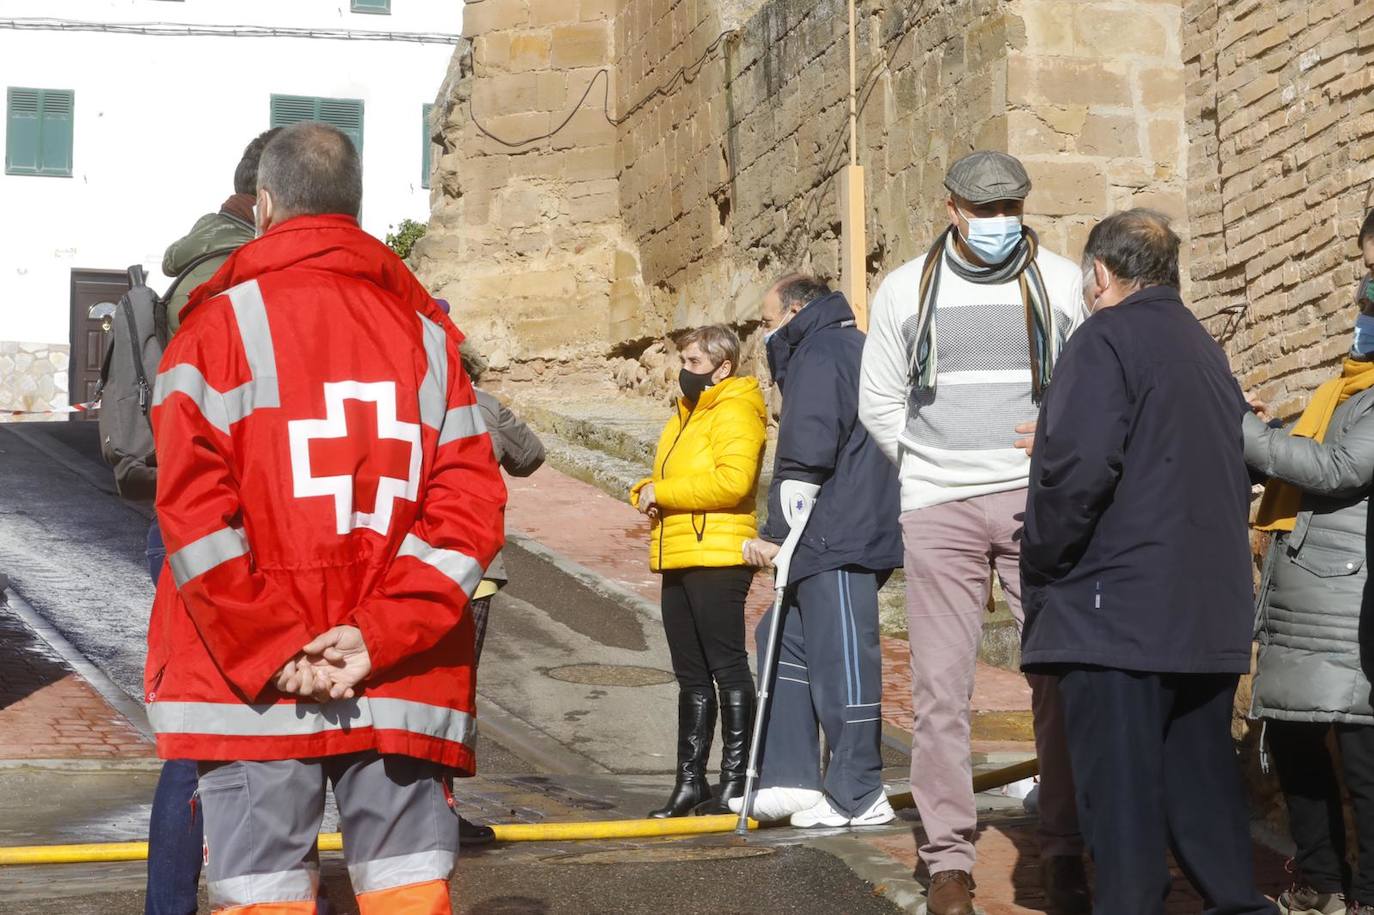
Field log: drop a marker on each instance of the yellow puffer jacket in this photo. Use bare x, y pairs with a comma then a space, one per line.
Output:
705, 476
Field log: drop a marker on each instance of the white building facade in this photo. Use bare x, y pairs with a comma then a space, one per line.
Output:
125, 119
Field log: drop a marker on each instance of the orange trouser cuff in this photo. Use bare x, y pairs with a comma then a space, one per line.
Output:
428, 898
306, 907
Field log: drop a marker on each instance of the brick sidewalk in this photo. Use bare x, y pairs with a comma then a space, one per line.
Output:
48, 711
611, 538
1008, 870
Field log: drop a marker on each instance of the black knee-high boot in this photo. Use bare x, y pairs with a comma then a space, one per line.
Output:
736, 727
696, 723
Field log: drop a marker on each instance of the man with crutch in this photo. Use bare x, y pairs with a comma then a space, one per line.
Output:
828, 670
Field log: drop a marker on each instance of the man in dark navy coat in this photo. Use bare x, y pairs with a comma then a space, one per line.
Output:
1137, 578
830, 663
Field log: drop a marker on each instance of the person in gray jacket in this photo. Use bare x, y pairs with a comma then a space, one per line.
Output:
520, 453
1313, 674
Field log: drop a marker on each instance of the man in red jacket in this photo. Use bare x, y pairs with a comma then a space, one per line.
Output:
329, 499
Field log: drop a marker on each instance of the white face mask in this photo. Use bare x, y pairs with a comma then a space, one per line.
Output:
993, 238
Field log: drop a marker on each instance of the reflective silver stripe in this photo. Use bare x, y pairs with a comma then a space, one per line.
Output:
464, 571
434, 387
224, 408
251, 314
304, 719
461, 422
200, 556
402, 870
250, 889
187, 379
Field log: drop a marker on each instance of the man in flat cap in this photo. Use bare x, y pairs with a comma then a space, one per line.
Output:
960, 349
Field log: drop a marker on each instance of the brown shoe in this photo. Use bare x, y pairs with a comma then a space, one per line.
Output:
1065, 882
951, 893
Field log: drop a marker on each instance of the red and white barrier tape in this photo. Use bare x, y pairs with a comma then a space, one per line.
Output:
74, 408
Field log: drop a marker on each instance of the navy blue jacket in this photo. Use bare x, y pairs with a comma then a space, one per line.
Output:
820, 440
1136, 553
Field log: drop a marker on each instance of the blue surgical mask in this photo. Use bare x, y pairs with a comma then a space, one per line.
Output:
1364, 336
993, 238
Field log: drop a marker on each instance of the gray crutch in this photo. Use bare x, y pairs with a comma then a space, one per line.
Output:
797, 501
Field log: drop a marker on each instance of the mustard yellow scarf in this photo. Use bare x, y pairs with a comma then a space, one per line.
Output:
1278, 510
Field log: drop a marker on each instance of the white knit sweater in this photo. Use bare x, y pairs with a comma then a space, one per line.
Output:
958, 442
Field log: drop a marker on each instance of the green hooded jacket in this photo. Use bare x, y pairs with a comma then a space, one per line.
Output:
211, 232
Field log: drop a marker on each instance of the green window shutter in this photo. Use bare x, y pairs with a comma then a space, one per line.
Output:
345, 114
38, 133
292, 109
55, 150
22, 131
427, 149
372, 6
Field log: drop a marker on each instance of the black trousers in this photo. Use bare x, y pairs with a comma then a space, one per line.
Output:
1155, 769
1307, 774
703, 617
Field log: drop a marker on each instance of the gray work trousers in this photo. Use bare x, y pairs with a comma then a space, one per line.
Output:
829, 673
262, 819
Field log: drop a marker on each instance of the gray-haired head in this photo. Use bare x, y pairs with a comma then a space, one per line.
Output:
309, 169
797, 290
1137, 246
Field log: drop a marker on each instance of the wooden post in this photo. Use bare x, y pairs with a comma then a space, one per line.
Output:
853, 244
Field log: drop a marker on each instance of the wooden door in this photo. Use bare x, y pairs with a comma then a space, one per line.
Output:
88, 339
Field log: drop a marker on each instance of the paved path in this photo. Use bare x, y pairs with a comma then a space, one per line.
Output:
48, 711
610, 537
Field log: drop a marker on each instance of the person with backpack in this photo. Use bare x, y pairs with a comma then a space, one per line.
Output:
174, 827
230, 227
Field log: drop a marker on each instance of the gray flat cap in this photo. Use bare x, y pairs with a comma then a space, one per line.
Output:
986, 175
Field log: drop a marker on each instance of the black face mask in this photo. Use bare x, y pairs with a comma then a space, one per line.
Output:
693, 385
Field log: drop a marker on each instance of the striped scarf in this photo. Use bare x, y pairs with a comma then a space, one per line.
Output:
1041, 336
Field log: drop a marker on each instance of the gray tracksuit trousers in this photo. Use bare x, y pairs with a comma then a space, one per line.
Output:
829, 674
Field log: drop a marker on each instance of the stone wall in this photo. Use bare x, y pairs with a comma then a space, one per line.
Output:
1095, 109
524, 237
33, 376
1280, 115
730, 122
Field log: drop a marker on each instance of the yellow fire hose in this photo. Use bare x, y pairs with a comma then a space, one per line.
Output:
521, 832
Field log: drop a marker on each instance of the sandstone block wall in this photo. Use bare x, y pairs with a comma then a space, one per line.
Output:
1280, 120
730, 123
524, 237
1095, 101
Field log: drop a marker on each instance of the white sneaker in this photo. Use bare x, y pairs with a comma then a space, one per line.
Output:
777, 803
820, 814
879, 813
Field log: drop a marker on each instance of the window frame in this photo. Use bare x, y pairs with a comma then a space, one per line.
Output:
369, 7
41, 168
317, 103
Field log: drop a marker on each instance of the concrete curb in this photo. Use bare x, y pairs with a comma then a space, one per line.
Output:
80, 766
122, 702
594, 580
889, 878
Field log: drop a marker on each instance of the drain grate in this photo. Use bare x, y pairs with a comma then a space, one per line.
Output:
660, 854
610, 675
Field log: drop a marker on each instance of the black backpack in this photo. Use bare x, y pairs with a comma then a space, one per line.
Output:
138, 335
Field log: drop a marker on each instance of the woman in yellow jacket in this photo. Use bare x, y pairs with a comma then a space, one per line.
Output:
700, 501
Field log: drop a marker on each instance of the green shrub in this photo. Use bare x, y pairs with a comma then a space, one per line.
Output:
403, 240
